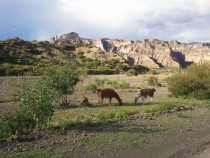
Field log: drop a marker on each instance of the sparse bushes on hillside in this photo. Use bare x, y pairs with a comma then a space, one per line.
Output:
98, 71
140, 69
119, 67
80, 55
112, 62
6, 48
192, 83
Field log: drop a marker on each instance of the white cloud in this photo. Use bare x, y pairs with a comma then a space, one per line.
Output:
183, 20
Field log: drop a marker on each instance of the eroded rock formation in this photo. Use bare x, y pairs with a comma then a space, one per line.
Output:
152, 53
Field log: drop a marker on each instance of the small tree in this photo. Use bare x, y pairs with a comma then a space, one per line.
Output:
65, 80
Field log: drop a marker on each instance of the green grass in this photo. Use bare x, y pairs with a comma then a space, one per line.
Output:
182, 122
160, 107
131, 136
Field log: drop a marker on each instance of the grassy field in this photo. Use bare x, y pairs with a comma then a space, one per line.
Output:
102, 129
10, 85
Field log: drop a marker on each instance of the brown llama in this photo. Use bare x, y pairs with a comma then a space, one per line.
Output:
107, 93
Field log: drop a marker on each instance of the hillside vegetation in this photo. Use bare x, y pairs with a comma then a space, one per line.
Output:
19, 57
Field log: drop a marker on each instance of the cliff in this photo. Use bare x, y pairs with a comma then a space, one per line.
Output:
152, 53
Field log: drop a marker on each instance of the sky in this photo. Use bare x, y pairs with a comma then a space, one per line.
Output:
181, 20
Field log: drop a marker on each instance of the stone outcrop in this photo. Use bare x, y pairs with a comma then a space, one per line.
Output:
66, 38
152, 53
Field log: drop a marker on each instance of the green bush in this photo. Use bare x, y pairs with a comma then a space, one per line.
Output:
140, 69
65, 80
153, 81
131, 72
35, 109
152, 72
90, 87
118, 84
36, 104
193, 82
119, 67
100, 83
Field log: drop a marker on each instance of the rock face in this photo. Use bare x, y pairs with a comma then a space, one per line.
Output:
152, 53
66, 38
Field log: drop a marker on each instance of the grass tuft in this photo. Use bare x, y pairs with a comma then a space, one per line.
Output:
160, 107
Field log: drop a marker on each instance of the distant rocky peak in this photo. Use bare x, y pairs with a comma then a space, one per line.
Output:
71, 37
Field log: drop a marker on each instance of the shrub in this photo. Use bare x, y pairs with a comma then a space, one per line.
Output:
131, 72
35, 109
118, 84
112, 62
64, 81
123, 84
88, 51
153, 81
140, 69
100, 83
11, 53
192, 83
119, 67
113, 83
152, 72
90, 87
36, 105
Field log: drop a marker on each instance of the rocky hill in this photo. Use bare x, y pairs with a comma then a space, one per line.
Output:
152, 53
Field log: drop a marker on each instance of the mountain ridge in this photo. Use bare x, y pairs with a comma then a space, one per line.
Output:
152, 53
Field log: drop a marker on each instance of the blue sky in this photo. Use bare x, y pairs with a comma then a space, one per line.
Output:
181, 20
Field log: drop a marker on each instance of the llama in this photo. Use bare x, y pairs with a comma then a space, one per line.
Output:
107, 93
143, 93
